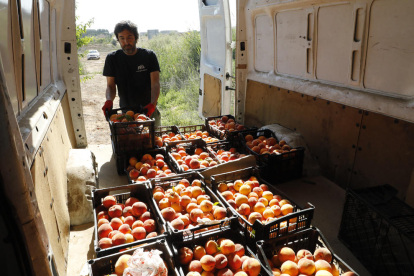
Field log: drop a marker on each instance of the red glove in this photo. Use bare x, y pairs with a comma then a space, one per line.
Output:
150, 109
107, 106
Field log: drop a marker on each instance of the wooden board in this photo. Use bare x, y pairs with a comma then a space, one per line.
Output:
330, 129
211, 96
385, 153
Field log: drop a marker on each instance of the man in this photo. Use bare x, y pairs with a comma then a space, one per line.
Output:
135, 71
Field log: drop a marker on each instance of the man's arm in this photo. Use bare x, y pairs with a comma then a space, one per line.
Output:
110, 88
155, 87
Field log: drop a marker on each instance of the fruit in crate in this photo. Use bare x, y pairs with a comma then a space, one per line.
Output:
167, 137
303, 262
263, 145
184, 204
129, 116
218, 257
149, 167
253, 201
224, 123
130, 222
227, 155
199, 160
200, 134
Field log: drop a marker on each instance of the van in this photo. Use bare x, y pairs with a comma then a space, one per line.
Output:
339, 73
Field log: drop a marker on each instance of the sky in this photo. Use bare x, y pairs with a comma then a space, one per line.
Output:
179, 15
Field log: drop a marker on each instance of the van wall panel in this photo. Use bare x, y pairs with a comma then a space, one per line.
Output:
44, 9
264, 49
385, 153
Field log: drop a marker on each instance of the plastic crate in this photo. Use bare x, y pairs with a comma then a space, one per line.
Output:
180, 235
190, 129
139, 155
274, 229
214, 147
133, 135
224, 134
161, 130
122, 193
106, 265
379, 230
278, 168
190, 147
310, 239
225, 232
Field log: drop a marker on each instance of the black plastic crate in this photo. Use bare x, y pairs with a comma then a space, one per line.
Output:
153, 153
274, 229
190, 146
224, 134
106, 265
379, 230
187, 130
225, 232
180, 235
278, 168
161, 130
214, 147
127, 136
121, 194
310, 239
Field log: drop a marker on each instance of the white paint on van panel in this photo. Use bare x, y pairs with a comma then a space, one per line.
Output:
264, 45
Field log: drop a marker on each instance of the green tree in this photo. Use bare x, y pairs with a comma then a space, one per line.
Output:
82, 40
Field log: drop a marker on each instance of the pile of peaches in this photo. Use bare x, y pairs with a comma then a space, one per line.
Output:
199, 160
254, 201
286, 262
165, 138
228, 259
225, 156
119, 224
224, 123
129, 116
183, 205
200, 134
148, 167
263, 145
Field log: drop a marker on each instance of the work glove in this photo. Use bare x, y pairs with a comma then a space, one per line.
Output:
149, 108
107, 107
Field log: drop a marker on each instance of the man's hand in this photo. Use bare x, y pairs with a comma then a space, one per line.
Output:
150, 108
107, 106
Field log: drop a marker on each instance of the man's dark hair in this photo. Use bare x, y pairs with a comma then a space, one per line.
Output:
126, 25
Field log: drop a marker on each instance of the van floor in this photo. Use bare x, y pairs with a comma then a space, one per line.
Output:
327, 197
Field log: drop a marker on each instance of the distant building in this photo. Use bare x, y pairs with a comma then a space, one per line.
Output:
168, 32
152, 33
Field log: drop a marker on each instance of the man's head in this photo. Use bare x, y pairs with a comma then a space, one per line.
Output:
126, 33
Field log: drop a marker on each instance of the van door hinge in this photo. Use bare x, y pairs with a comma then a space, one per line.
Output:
229, 88
229, 76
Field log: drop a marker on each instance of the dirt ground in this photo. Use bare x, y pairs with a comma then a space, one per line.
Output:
93, 98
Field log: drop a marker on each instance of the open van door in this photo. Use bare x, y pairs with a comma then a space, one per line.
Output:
216, 54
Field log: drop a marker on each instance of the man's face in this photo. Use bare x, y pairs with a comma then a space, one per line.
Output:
128, 42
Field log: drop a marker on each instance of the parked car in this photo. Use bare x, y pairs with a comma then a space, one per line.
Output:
93, 54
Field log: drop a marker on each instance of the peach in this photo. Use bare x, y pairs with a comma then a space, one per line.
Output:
283, 202
185, 220
221, 261
244, 209
349, 273
286, 254
108, 201
219, 213
158, 196
138, 208
286, 209
105, 243
127, 211
323, 273
173, 197
193, 273
258, 191
240, 199
151, 235
303, 253
185, 255
103, 215
275, 261
211, 247
125, 229
268, 195
227, 195
245, 189
129, 238
149, 225
164, 203
177, 207
306, 266
194, 164
227, 247
207, 273
233, 261
322, 254
157, 189
121, 264
238, 184
191, 207
224, 272
276, 210
273, 202
195, 266
195, 214
232, 203
263, 200
102, 221
252, 201
335, 270
276, 272
168, 213
206, 206
115, 211
208, 262
259, 208
118, 239
113, 233
139, 233
185, 200
145, 216
251, 266
116, 223
242, 259
268, 213
254, 216
323, 265
196, 191
241, 273
201, 198
289, 268
222, 187
239, 249
137, 223
133, 174
177, 224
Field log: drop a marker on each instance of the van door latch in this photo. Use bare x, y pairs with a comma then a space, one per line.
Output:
229, 88
229, 76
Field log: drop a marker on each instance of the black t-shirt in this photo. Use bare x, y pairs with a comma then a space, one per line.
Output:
132, 75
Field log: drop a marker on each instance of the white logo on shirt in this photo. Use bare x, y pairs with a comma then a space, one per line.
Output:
141, 68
